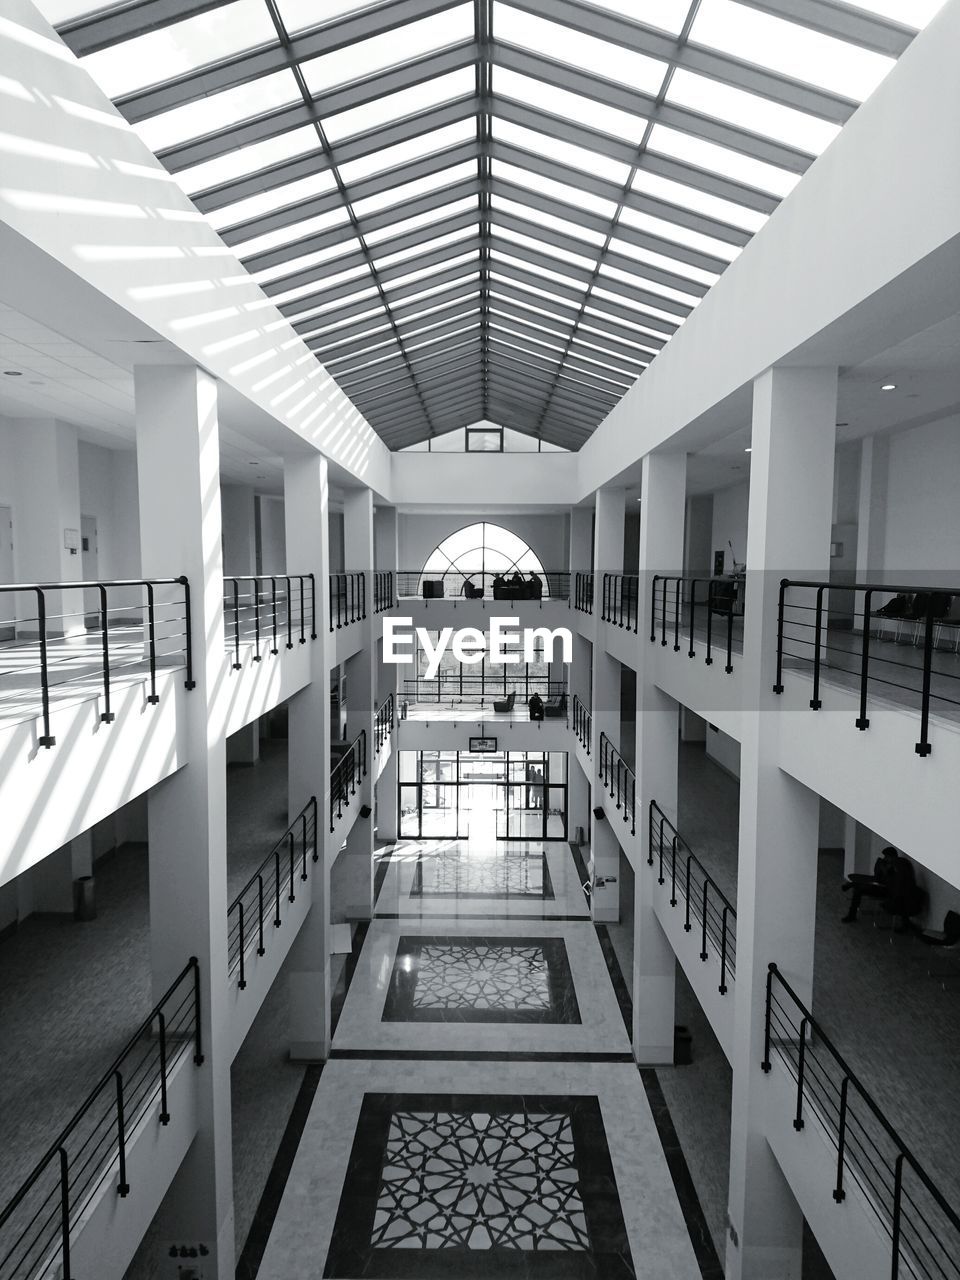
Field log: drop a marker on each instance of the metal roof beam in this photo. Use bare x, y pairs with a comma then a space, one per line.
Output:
868, 30
439, 303
611, 336
311, 327
105, 27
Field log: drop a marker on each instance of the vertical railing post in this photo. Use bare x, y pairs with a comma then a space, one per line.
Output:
676, 617
331, 595
303, 836
197, 1028
106, 715
313, 606
711, 596
815, 703
673, 871
236, 624
633, 805
65, 1213
897, 1225
650, 835
653, 608
164, 1116
923, 747
273, 608
256, 619
188, 632
784, 583
838, 1192
242, 983
289, 611
729, 667
261, 949
277, 918
316, 828
152, 697
704, 954
863, 721
723, 951
801, 1059
687, 925
303, 607
663, 614
47, 740
123, 1187
691, 652
765, 1064
292, 851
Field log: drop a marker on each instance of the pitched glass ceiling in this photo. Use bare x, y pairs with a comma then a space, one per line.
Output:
481, 209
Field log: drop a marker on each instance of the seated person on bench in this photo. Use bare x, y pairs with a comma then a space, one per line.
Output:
893, 882
535, 703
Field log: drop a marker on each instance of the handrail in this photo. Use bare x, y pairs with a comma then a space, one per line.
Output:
345, 776
583, 591
383, 591
582, 723
383, 723
717, 923
482, 585
719, 598
267, 881
348, 598
456, 684
927, 629
849, 1134
45, 641
132, 1089
621, 600
268, 610
619, 780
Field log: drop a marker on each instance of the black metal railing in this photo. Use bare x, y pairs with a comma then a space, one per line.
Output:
383, 725
674, 604
457, 584
922, 675
455, 686
923, 1228
705, 904
621, 600
268, 610
257, 908
619, 780
99, 635
348, 598
345, 777
583, 592
384, 596
582, 723
37, 1226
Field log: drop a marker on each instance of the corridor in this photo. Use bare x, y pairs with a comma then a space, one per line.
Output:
481, 1113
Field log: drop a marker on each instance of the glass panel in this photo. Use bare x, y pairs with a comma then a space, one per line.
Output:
276, 198
681, 235
529, 317
356, 296
541, 246
424, 273
418, 187
547, 220
749, 111
512, 334
295, 231
565, 152
394, 106
668, 15
246, 160
578, 49
556, 302
427, 246
624, 300
194, 119
639, 282
58, 11
912, 13
314, 259
579, 285
299, 15
421, 220
183, 46
659, 260
403, 152
789, 48
330, 282
570, 106
736, 215
576, 196
389, 48
729, 164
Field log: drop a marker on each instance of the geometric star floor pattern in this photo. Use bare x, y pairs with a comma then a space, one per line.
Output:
481, 1114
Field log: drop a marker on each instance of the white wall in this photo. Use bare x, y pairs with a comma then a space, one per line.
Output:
723, 750
108, 492
730, 524
922, 509
546, 535
272, 535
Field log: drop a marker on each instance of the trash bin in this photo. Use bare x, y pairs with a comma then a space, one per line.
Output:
84, 899
580, 842
403, 710
682, 1047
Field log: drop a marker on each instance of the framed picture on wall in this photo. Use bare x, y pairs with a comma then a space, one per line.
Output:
483, 744
718, 559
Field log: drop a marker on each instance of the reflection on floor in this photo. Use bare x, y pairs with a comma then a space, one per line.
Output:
453, 873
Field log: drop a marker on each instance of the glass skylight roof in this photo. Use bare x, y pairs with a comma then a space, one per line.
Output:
461, 200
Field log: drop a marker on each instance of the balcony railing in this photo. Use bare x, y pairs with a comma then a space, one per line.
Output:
38, 1225
582, 724
923, 1228
911, 658
345, 777
267, 610
619, 781
583, 592
97, 635
707, 609
383, 725
384, 596
456, 584
705, 905
621, 600
348, 599
257, 909
455, 686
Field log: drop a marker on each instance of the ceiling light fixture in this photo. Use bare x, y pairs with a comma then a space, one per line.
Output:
889, 386
12, 373
748, 449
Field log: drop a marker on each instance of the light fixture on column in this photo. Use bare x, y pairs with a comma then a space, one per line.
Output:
599, 814
365, 811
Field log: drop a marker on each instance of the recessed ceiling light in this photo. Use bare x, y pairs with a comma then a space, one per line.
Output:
12, 373
889, 386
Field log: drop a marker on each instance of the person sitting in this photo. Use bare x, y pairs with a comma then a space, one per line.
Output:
535, 703
893, 882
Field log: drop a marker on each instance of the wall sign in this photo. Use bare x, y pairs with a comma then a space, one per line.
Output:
483, 744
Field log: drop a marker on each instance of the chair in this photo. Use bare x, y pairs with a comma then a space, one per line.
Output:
555, 707
948, 936
506, 704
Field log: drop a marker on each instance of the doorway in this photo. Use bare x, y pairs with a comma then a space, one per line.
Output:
90, 570
8, 599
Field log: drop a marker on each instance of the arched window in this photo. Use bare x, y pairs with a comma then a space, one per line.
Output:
477, 553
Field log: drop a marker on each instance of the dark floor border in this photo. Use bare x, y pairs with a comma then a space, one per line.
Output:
468, 919
463, 1055
620, 988
255, 1244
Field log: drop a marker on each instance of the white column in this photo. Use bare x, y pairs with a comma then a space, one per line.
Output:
604, 846
178, 464
872, 517
353, 872
306, 501
239, 528
662, 510
791, 498
387, 559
